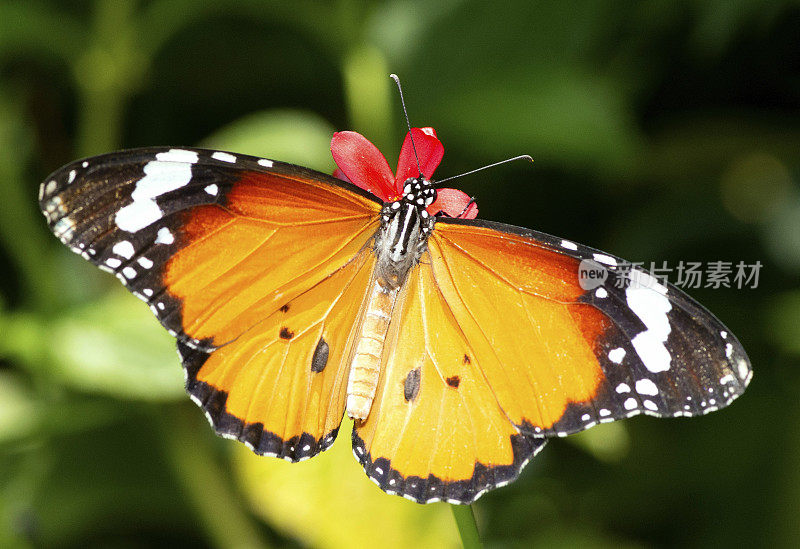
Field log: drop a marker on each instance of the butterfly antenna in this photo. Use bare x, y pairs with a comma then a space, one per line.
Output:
408, 122
521, 157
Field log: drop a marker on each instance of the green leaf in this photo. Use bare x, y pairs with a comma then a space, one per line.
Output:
356, 512
19, 413
784, 324
115, 346
298, 137
608, 442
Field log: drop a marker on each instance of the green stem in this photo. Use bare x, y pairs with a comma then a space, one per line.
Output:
368, 90
22, 227
107, 73
467, 527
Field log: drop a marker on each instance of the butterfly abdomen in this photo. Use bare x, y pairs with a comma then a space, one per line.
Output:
398, 245
365, 368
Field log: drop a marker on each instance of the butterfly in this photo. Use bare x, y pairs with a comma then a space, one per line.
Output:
457, 345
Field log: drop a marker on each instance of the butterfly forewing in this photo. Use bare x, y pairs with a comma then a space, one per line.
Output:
144, 214
626, 346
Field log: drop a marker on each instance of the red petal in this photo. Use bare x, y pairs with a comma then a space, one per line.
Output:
363, 164
339, 174
452, 202
429, 149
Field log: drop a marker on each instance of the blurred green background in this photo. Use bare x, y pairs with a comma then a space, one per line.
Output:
661, 130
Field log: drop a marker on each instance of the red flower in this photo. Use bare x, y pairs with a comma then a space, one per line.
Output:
361, 163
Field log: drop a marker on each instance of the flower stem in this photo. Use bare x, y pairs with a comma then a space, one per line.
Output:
467, 527
368, 90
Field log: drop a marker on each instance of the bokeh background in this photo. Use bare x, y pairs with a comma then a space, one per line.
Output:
661, 130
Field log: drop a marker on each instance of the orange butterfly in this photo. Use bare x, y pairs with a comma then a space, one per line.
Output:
457, 345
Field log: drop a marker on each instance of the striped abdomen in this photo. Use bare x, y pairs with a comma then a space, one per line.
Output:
365, 368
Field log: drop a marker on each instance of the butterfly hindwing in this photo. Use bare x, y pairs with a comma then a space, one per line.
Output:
280, 387
257, 267
436, 431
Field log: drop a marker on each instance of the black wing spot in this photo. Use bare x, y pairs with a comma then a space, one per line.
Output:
453, 381
285, 308
320, 358
286, 333
411, 384
467, 359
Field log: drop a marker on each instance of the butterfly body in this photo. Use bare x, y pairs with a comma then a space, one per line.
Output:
364, 371
459, 345
404, 231
399, 243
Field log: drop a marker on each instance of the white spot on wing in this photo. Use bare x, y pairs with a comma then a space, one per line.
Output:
264, 162
164, 236
601, 292
603, 258
124, 249
650, 405
178, 155
616, 355
113, 262
129, 272
728, 350
744, 372
145, 262
727, 378
569, 245
224, 157
647, 299
160, 177
72, 174
646, 387
629, 403
212, 189
64, 229
623, 388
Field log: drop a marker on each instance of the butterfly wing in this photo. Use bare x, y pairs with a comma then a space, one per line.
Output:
509, 349
258, 268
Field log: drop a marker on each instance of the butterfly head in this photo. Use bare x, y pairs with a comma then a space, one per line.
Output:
419, 192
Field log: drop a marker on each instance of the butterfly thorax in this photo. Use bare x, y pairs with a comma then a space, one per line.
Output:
399, 243
405, 227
